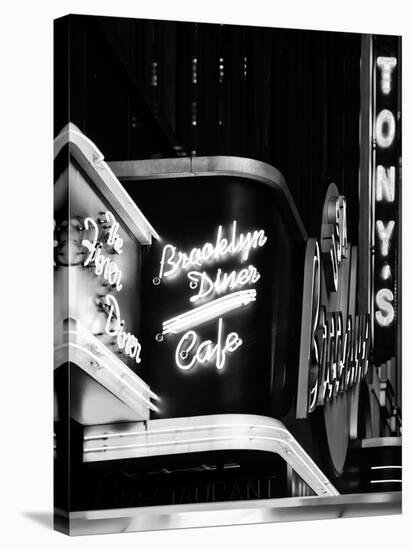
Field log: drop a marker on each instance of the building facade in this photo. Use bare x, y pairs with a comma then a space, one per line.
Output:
227, 273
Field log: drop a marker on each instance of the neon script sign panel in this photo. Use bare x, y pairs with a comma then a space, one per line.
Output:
334, 349
208, 299
107, 268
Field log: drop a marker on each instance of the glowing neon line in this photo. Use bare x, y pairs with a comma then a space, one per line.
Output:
198, 318
322, 482
126, 341
109, 355
174, 442
386, 481
106, 435
209, 311
174, 260
307, 464
386, 467
241, 297
111, 371
222, 281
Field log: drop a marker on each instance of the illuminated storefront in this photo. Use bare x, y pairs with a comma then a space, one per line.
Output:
212, 353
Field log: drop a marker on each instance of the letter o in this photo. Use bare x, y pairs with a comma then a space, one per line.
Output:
385, 136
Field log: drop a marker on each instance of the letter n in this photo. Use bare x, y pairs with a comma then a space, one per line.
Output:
385, 183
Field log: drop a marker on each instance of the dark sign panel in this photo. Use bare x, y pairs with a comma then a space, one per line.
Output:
220, 295
386, 164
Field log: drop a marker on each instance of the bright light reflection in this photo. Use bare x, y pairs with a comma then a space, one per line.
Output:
208, 311
222, 281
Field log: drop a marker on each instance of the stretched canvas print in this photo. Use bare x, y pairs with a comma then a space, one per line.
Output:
226, 274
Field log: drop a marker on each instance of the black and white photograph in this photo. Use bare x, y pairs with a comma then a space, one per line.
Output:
226, 274
205, 281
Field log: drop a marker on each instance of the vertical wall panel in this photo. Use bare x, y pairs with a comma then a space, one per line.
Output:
294, 103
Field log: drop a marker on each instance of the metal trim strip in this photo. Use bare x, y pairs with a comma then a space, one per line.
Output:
92, 161
233, 513
215, 166
202, 434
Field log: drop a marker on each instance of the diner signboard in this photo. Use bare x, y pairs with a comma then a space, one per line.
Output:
215, 359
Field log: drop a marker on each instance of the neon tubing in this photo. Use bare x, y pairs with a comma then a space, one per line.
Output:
119, 377
109, 355
209, 311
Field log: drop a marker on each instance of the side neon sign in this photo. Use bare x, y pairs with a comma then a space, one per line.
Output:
334, 347
386, 157
101, 247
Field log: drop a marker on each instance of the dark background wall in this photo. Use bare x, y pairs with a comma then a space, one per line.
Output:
146, 89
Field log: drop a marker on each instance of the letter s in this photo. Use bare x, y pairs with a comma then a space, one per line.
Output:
386, 313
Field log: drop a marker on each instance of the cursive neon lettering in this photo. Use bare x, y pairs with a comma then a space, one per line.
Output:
103, 265
107, 268
222, 281
189, 352
114, 327
173, 260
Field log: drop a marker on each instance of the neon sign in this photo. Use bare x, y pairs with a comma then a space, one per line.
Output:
108, 269
190, 350
103, 265
188, 353
114, 327
209, 311
222, 282
334, 352
241, 245
386, 65
385, 159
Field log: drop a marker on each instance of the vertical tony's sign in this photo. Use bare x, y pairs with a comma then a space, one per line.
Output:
386, 194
